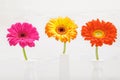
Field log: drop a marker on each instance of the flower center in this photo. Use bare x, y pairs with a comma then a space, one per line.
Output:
21, 35
61, 30
98, 34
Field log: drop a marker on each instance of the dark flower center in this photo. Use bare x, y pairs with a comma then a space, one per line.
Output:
22, 35
61, 30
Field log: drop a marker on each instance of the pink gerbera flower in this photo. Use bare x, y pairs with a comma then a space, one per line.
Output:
23, 34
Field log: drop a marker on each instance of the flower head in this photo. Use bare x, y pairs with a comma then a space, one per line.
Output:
99, 32
63, 29
23, 33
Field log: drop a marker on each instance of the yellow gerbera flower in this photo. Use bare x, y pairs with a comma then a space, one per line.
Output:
63, 29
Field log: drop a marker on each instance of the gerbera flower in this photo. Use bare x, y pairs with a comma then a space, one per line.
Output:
63, 29
99, 33
23, 34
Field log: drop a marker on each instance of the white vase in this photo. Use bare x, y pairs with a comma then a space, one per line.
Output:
30, 72
64, 67
97, 70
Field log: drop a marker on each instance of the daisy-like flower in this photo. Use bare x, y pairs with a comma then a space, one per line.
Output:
99, 33
23, 34
63, 29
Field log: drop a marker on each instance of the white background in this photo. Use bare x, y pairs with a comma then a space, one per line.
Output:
48, 50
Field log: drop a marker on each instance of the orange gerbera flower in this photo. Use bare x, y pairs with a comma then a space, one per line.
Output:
99, 32
63, 29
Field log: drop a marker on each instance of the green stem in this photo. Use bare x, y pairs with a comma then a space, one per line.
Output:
64, 49
24, 53
97, 56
